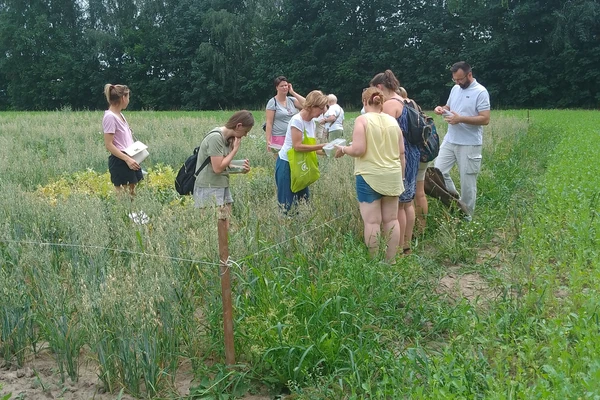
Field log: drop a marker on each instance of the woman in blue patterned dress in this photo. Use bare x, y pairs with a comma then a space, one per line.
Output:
389, 85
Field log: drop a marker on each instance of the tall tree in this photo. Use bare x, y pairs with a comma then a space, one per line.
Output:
334, 46
191, 54
575, 40
40, 46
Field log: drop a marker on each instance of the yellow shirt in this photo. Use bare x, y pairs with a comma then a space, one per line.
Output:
380, 166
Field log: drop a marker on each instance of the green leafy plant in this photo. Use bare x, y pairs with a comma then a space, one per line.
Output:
220, 384
315, 316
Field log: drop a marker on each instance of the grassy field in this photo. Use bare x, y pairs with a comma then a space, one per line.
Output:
505, 307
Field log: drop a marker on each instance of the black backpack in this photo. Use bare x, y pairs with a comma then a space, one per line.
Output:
415, 125
431, 147
186, 177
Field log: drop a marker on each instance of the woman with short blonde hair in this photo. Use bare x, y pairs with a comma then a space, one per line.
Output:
299, 124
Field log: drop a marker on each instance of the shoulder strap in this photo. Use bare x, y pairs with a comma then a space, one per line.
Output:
304, 133
336, 119
417, 107
338, 116
405, 102
205, 163
403, 107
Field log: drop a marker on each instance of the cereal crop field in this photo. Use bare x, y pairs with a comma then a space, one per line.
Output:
95, 306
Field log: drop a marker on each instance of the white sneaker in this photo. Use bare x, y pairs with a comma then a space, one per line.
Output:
139, 217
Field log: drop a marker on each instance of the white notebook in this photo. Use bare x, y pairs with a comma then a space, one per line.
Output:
138, 151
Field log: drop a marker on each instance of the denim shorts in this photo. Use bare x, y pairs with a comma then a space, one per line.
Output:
364, 192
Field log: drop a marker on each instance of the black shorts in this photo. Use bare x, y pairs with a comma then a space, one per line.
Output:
121, 174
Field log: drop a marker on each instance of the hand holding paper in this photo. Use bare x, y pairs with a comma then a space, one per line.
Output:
138, 151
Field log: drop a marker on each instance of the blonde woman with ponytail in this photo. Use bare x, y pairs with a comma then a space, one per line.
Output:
125, 172
378, 149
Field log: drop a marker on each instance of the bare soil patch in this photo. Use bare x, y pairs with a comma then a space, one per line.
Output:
39, 379
471, 285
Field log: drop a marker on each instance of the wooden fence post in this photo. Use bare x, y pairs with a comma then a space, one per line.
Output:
225, 275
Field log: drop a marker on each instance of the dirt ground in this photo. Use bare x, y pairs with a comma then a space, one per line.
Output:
471, 286
39, 379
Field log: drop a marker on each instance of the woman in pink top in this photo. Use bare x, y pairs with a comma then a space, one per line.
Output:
125, 172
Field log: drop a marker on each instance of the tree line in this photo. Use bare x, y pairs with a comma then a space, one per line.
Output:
224, 54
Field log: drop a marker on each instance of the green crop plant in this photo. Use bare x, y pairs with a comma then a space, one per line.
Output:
16, 309
314, 315
15, 335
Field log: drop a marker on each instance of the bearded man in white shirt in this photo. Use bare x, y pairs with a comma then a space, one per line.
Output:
466, 112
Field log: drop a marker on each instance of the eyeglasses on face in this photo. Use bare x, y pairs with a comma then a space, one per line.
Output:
461, 80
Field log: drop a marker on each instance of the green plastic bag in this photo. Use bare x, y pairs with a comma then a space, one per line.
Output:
304, 167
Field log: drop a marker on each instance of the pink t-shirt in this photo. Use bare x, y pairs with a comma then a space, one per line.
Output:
112, 124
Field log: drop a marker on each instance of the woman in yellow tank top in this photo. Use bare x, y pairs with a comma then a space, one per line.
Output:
378, 148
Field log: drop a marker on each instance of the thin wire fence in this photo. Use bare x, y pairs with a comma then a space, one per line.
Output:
228, 262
